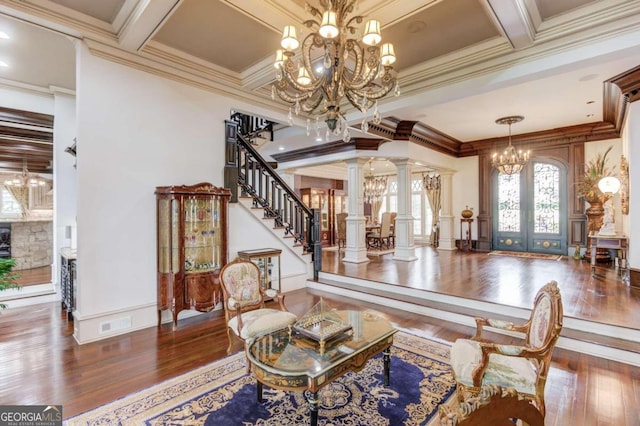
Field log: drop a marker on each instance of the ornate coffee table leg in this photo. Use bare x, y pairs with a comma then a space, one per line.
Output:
386, 357
259, 389
312, 397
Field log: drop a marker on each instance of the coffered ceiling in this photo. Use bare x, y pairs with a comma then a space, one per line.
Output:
461, 63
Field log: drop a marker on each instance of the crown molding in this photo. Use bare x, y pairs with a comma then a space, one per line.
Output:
58, 18
628, 83
365, 144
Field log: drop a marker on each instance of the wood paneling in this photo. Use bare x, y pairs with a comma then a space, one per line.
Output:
33, 144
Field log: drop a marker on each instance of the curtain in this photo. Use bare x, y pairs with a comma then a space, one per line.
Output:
21, 194
431, 184
375, 209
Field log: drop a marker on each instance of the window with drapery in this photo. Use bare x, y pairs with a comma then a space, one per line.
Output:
420, 206
9, 206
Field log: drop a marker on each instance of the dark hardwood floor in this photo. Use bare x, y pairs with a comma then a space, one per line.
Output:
504, 280
40, 362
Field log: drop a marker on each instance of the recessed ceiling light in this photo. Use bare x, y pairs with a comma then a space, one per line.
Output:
281, 148
4, 35
3, 64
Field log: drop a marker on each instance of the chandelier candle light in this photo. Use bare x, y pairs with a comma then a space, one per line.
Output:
510, 162
374, 187
25, 179
333, 64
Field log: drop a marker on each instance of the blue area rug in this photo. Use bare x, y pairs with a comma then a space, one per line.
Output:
222, 394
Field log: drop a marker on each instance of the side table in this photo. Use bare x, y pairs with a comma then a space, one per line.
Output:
465, 237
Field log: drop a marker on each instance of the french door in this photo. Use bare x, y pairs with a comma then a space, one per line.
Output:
530, 209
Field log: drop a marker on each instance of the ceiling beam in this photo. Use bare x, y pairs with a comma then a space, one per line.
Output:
513, 20
146, 18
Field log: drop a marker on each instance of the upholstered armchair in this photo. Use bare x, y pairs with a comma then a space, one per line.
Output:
476, 362
244, 303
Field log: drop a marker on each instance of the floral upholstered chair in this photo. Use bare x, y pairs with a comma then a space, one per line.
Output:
244, 303
476, 362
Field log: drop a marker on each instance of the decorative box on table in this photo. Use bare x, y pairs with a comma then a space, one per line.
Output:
321, 323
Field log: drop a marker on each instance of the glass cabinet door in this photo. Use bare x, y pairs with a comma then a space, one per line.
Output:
168, 236
202, 235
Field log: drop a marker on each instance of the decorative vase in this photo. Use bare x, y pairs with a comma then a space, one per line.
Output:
576, 254
467, 212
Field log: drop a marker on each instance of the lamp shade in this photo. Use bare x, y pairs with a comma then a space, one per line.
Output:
289, 38
303, 77
372, 33
609, 185
387, 54
329, 26
279, 58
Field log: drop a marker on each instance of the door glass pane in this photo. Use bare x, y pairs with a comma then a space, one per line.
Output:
546, 199
509, 203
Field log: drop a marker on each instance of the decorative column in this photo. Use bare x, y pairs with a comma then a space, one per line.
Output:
356, 247
403, 230
447, 238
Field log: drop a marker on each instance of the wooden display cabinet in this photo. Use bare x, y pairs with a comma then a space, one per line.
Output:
192, 247
268, 261
319, 199
330, 202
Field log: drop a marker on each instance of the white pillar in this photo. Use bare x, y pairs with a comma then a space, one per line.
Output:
447, 239
403, 231
633, 144
356, 247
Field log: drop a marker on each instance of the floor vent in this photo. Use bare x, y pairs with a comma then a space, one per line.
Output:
115, 325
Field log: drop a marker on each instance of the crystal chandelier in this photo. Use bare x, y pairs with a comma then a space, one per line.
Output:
374, 187
334, 63
25, 179
510, 162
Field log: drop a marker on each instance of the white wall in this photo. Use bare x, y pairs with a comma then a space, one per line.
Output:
250, 232
136, 131
34, 100
64, 174
466, 192
633, 143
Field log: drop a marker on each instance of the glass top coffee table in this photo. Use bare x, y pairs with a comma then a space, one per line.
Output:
288, 360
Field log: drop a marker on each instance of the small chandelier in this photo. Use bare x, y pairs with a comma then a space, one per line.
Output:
510, 162
25, 179
374, 187
334, 64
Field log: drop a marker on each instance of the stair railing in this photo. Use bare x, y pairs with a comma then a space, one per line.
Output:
247, 169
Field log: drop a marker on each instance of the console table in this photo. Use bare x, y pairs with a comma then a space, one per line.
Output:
68, 280
465, 238
612, 242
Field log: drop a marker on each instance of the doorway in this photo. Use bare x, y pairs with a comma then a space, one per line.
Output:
530, 208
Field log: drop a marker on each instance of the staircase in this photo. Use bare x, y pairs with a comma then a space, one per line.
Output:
251, 178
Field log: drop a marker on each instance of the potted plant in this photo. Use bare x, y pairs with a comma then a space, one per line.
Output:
7, 277
594, 170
